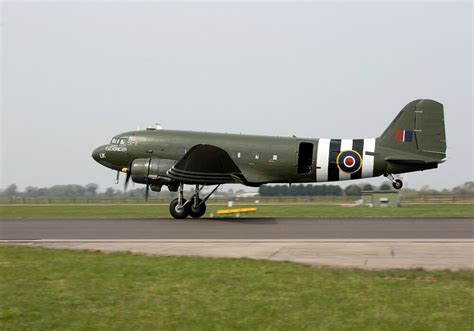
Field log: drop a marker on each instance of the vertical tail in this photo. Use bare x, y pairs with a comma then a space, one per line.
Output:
418, 129
415, 140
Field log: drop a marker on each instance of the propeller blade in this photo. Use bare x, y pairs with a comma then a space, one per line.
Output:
147, 190
127, 177
117, 178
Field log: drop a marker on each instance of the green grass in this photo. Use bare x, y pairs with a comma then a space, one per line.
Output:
263, 210
54, 289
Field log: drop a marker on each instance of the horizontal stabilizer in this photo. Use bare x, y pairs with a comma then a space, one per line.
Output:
412, 161
401, 165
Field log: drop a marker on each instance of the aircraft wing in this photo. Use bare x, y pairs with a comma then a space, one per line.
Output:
206, 164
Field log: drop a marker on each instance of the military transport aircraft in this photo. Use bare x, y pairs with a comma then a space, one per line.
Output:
415, 140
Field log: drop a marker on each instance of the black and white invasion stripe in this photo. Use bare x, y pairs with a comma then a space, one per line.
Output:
328, 151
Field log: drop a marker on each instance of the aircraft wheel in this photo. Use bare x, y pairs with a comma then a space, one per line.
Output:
197, 212
397, 184
178, 213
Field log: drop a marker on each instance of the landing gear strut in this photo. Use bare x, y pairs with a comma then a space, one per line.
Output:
178, 207
195, 207
396, 183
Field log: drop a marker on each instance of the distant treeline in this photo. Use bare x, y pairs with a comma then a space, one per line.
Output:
318, 190
354, 190
300, 190
92, 191
70, 191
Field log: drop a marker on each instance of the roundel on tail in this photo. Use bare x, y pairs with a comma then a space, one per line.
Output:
349, 161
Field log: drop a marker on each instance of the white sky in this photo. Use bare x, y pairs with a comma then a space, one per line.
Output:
75, 74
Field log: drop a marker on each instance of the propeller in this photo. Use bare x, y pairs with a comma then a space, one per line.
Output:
127, 178
128, 171
147, 189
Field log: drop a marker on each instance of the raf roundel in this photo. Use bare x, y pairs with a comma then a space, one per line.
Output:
349, 161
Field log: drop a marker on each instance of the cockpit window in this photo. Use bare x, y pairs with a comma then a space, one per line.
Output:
119, 141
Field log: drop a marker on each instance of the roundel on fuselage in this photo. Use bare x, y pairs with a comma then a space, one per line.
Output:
349, 161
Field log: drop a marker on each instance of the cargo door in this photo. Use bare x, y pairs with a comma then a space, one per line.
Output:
305, 158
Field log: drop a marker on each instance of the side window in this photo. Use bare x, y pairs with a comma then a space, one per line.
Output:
123, 142
255, 156
275, 157
236, 155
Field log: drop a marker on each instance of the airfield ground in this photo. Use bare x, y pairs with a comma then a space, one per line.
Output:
85, 288
55, 289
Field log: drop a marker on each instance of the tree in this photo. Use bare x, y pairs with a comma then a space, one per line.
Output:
31, 191
110, 192
353, 190
67, 191
385, 187
91, 189
139, 192
368, 187
300, 190
263, 190
11, 190
465, 189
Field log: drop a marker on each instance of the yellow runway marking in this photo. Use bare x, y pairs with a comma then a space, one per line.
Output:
236, 211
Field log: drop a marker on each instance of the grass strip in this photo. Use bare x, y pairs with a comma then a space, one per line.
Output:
44, 289
282, 210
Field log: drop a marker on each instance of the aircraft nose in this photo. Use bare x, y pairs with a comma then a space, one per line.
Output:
97, 152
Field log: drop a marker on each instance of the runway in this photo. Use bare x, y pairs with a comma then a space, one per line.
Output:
361, 243
244, 228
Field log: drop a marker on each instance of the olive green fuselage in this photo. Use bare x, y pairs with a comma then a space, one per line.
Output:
262, 159
415, 140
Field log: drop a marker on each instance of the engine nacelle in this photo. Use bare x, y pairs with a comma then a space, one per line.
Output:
151, 171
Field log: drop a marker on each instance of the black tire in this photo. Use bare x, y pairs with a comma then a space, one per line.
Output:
179, 213
199, 212
397, 184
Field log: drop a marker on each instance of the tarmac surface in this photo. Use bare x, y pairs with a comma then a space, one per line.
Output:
356, 243
243, 228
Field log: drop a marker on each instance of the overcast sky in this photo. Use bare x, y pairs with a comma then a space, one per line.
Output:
75, 74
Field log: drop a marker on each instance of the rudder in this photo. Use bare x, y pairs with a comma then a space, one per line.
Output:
419, 127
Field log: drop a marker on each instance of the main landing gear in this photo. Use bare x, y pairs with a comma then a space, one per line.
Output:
195, 207
396, 183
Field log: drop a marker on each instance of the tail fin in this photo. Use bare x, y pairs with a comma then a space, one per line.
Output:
418, 128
